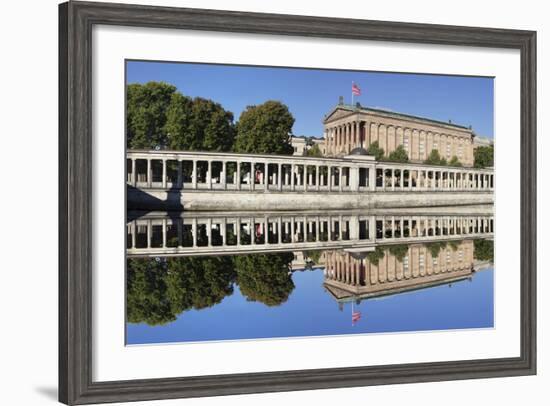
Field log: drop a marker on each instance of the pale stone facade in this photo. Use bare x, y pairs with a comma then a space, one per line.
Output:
299, 144
347, 127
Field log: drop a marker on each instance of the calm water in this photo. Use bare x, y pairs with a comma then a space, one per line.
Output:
254, 296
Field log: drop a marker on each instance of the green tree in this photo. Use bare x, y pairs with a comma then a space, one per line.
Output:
455, 162
484, 250
265, 278
313, 151
265, 128
374, 149
199, 124
398, 155
146, 107
435, 159
484, 156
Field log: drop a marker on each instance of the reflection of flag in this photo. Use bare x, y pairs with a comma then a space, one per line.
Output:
355, 89
355, 316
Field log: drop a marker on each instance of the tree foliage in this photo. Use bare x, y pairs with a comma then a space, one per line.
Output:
146, 107
265, 128
484, 250
484, 156
159, 116
265, 278
455, 162
314, 151
374, 149
435, 159
398, 155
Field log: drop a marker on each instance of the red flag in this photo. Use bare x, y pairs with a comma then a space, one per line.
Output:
355, 89
355, 316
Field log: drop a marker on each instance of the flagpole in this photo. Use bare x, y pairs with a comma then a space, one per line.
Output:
352, 92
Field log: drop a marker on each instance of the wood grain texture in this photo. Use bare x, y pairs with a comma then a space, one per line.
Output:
75, 201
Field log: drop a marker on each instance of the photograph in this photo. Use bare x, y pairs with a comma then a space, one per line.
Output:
269, 202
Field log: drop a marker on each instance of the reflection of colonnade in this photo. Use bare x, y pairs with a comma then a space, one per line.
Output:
349, 276
219, 233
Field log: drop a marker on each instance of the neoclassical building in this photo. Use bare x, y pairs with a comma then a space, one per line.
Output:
347, 127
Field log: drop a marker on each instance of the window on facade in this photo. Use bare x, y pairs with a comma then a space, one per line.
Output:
448, 150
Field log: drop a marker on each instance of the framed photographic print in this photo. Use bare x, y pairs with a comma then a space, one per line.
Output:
260, 202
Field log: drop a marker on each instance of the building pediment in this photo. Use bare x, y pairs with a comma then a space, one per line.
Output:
336, 113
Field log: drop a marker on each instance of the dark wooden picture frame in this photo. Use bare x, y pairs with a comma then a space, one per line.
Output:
76, 20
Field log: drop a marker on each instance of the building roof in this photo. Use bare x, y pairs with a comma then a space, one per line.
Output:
365, 109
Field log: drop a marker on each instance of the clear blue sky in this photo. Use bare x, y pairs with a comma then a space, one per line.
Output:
310, 94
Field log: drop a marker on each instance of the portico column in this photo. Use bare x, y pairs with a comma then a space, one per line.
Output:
238, 230
340, 178
292, 168
252, 229
392, 179
279, 230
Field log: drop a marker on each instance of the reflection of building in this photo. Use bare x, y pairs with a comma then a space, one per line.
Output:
300, 144
350, 276
347, 127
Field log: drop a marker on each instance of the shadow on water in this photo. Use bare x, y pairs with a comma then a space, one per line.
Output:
142, 203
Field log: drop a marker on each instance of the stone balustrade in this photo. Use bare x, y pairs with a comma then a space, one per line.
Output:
186, 170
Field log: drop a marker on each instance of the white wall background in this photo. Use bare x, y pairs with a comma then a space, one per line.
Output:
28, 168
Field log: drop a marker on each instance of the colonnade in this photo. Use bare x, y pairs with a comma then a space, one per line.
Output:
267, 173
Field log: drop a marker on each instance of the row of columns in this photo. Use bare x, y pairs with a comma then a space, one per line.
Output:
342, 138
417, 262
270, 230
432, 179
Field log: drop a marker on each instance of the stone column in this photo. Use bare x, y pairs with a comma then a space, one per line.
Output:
238, 182
223, 175
134, 175
340, 178
266, 177
194, 230
209, 175
164, 173
180, 174
280, 178
164, 233
279, 230
238, 230
392, 179
149, 174
252, 176
194, 176
317, 178
252, 229
292, 168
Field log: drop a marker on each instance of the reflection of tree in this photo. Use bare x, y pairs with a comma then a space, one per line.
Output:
435, 247
265, 277
375, 256
484, 250
157, 291
399, 251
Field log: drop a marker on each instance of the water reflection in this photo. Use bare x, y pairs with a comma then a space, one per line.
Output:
170, 297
